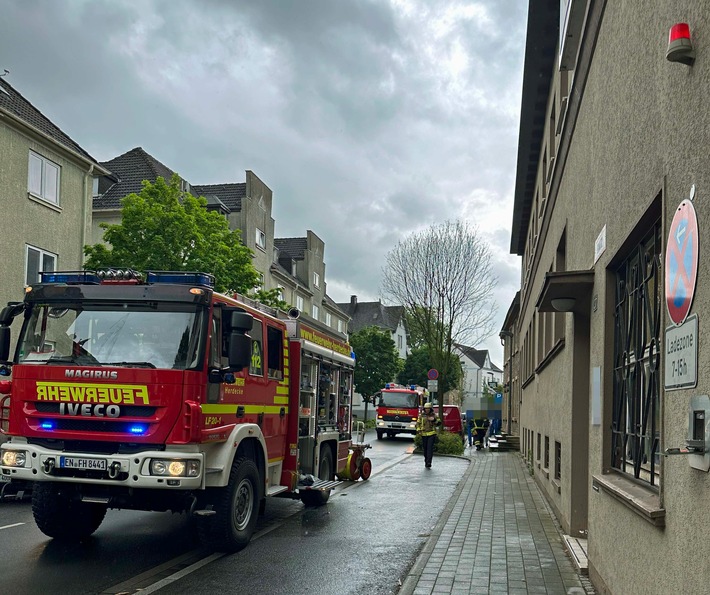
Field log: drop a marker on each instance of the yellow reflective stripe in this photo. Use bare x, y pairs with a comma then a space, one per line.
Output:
281, 400
248, 409
276, 460
282, 389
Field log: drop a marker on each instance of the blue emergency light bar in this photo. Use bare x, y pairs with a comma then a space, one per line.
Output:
47, 425
70, 277
138, 429
181, 277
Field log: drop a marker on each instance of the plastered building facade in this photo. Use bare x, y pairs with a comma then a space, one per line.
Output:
601, 383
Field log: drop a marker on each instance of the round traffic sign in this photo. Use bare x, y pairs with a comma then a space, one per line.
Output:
681, 262
432, 374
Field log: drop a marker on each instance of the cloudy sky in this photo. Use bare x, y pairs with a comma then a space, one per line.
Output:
369, 119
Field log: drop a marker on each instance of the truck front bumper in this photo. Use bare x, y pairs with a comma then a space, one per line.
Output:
147, 469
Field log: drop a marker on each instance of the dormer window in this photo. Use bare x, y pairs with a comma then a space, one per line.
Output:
316, 280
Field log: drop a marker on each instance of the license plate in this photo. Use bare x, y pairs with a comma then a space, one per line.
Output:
396, 425
81, 463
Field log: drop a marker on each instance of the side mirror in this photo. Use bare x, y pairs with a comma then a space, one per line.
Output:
241, 321
239, 351
8, 313
4, 343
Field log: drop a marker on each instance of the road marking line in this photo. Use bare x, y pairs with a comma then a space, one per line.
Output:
168, 580
181, 573
13, 525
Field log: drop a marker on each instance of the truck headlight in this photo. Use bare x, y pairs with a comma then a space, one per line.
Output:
14, 458
175, 467
380, 423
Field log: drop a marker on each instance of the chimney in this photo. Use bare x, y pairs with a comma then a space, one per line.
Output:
353, 300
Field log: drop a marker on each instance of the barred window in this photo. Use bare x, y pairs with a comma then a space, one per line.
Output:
637, 326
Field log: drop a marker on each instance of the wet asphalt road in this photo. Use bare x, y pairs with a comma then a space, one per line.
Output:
362, 542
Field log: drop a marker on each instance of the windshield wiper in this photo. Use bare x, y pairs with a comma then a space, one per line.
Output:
80, 360
136, 364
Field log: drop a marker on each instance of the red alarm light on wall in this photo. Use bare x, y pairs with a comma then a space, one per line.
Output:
680, 48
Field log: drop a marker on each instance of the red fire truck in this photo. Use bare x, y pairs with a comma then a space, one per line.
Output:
398, 409
153, 392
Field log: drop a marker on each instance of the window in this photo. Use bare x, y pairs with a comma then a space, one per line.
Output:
43, 178
539, 449
558, 460
328, 319
274, 352
256, 367
638, 311
280, 293
299, 303
316, 280
315, 311
547, 452
260, 239
260, 281
95, 187
37, 260
400, 342
340, 325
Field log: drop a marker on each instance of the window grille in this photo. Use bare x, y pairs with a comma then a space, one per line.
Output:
637, 326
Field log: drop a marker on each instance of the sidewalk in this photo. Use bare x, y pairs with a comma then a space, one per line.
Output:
496, 535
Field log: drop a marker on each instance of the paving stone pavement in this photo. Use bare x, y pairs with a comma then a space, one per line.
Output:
496, 535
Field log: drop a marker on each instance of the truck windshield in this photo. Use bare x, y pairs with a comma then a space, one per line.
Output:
398, 399
150, 334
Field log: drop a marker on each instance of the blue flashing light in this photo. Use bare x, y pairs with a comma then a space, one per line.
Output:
180, 277
413, 387
387, 385
47, 425
138, 429
70, 277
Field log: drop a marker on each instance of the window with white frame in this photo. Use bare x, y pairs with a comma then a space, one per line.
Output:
316, 280
340, 325
299, 303
328, 319
315, 311
260, 282
43, 178
260, 239
280, 293
37, 260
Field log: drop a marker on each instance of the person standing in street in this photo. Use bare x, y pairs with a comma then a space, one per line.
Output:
426, 428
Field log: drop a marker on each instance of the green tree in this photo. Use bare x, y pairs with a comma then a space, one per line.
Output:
443, 278
377, 361
271, 297
163, 228
418, 364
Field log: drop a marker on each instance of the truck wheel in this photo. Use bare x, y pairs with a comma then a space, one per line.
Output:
380, 434
60, 516
237, 507
325, 471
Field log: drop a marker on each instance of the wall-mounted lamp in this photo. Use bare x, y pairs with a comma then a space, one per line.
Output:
563, 304
680, 48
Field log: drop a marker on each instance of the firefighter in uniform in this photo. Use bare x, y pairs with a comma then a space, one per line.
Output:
478, 433
426, 428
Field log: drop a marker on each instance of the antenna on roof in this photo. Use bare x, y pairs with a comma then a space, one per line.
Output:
5, 73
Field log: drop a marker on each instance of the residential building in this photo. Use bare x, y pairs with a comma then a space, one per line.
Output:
610, 219
45, 197
481, 379
387, 318
293, 265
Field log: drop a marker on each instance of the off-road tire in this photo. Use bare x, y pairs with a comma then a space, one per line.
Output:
237, 509
325, 471
60, 514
